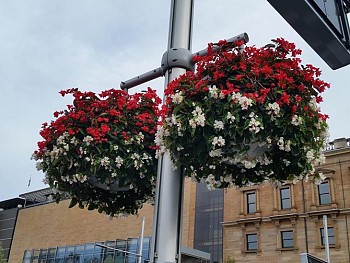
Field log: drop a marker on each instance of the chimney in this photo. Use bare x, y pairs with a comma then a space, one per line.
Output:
340, 143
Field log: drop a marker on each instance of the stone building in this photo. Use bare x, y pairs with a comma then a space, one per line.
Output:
259, 223
263, 223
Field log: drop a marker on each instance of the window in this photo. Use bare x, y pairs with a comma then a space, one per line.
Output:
331, 238
285, 198
252, 242
287, 238
251, 202
324, 193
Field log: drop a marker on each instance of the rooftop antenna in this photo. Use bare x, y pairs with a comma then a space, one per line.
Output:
166, 235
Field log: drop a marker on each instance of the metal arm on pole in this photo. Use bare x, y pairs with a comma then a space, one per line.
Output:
175, 58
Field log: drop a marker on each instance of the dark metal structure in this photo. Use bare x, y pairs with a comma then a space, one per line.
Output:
323, 24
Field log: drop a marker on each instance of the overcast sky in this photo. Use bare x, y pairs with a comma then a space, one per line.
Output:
47, 46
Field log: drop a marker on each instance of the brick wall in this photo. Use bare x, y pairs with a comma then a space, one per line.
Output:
52, 225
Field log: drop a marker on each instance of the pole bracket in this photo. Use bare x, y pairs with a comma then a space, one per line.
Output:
177, 58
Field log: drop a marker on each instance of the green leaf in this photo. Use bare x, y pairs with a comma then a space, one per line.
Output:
73, 202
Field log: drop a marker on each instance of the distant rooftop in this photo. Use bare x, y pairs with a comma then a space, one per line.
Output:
338, 144
28, 199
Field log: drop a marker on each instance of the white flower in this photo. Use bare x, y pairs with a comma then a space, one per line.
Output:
214, 92
198, 118
255, 125
286, 162
219, 141
177, 98
296, 120
249, 164
273, 109
221, 95
74, 141
88, 139
105, 161
230, 117
218, 125
245, 102
319, 179
135, 156
179, 148
310, 155
313, 104
118, 161
210, 181
215, 153
287, 146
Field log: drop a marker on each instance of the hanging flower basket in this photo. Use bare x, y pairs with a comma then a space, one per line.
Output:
100, 152
246, 116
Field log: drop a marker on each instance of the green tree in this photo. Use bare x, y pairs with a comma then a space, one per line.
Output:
2, 257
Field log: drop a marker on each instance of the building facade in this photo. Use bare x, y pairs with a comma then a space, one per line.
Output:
259, 223
44, 229
265, 223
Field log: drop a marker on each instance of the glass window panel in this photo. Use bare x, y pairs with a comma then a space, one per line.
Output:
285, 193
79, 249
70, 251
252, 238
51, 252
28, 254
331, 240
287, 239
331, 237
286, 204
61, 251
36, 253
251, 203
285, 198
288, 243
325, 199
323, 188
251, 197
108, 258
43, 254
89, 248
251, 208
88, 258
252, 242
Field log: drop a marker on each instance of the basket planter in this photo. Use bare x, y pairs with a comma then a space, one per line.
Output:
246, 117
100, 152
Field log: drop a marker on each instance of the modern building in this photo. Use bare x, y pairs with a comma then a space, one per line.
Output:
39, 230
259, 223
265, 223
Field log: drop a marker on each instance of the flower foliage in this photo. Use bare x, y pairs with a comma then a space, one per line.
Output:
101, 151
246, 116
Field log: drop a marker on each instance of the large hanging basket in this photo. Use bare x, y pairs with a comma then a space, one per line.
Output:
100, 152
246, 116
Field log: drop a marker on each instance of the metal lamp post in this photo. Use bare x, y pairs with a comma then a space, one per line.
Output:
166, 236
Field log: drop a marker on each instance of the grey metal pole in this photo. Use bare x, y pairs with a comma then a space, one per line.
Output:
325, 236
166, 237
141, 239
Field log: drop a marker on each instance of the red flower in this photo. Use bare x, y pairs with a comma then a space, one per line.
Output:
105, 128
